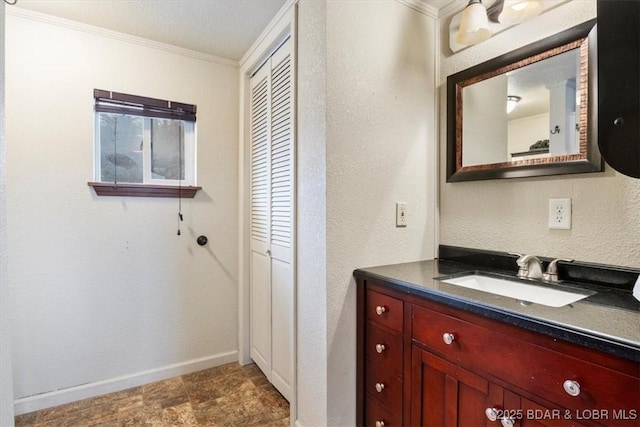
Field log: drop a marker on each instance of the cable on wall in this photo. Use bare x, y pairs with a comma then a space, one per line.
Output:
180, 129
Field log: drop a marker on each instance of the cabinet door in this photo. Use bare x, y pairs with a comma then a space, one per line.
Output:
443, 394
619, 84
530, 414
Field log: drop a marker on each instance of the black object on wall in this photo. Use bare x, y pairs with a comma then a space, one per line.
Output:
619, 84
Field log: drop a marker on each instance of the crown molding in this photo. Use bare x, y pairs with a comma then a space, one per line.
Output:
421, 6
266, 33
452, 8
115, 35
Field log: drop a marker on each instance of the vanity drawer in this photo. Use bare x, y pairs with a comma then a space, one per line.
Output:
429, 328
384, 387
386, 310
539, 370
554, 376
376, 413
384, 348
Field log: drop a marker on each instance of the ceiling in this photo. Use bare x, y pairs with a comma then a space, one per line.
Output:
223, 28
532, 82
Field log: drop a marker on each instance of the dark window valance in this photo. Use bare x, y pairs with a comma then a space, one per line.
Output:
122, 103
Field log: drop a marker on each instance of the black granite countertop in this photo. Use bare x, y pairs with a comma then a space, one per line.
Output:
608, 321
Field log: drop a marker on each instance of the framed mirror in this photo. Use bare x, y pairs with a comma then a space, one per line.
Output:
530, 112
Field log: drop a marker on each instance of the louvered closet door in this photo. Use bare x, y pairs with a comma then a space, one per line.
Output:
281, 221
272, 209
260, 281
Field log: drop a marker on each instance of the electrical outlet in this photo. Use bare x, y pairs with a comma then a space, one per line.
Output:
401, 214
560, 214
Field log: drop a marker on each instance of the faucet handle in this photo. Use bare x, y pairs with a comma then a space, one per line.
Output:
520, 256
552, 270
522, 268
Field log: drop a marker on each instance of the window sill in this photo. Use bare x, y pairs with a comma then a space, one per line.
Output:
143, 190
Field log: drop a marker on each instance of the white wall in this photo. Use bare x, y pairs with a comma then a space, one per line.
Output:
487, 130
311, 216
511, 215
526, 131
367, 120
6, 376
103, 291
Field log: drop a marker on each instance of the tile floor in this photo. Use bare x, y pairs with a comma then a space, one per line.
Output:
229, 395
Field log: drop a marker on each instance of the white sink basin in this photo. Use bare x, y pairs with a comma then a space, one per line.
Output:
522, 291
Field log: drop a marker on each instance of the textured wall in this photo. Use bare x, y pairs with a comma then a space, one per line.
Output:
102, 288
311, 216
6, 377
366, 133
380, 150
511, 215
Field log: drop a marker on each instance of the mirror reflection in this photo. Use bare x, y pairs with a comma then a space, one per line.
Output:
528, 113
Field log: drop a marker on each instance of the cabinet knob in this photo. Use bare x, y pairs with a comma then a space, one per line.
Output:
571, 387
619, 121
448, 338
380, 348
379, 387
379, 423
491, 413
506, 422
380, 309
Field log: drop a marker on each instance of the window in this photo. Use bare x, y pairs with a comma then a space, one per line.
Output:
144, 146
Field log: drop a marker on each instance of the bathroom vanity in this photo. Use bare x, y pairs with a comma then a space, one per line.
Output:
432, 353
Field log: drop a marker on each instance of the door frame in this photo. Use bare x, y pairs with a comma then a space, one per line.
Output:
282, 26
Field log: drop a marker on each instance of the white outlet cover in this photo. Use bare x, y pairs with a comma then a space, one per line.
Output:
560, 214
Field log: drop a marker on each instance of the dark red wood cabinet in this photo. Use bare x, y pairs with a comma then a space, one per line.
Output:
421, 363
383, 360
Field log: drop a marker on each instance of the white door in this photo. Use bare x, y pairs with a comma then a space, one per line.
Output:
272, 220
260, 282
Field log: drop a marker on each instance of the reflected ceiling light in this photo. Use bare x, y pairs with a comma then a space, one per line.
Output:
474, 24
512, 101
516, 11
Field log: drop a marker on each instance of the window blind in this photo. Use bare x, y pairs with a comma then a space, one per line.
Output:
122, 103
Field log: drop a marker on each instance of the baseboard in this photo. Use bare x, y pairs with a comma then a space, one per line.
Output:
84, 391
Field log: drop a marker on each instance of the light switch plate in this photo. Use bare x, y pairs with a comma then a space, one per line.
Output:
401, 214
560, 214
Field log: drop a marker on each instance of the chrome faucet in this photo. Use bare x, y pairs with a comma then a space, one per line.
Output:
530, 266
551, 275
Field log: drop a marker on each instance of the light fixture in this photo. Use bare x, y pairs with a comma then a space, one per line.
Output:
474, 24
512, 101
516, 11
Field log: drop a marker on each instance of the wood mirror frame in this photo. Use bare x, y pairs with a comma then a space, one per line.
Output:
588, 159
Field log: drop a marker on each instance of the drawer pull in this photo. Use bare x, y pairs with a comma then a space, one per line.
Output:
506, 422
380, 348
379, 387
572, 387
491, 413
381, 309
379, 423
448, 338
